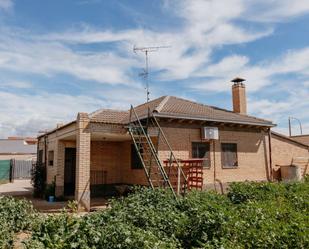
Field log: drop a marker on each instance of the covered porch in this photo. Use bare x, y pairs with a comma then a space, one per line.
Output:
94, 160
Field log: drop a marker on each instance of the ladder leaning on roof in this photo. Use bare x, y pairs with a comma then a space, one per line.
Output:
148, 154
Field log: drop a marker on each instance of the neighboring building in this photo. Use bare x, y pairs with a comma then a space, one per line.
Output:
96, 149
18, 148
302, 138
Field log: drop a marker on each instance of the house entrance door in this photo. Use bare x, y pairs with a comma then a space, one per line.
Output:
69, 171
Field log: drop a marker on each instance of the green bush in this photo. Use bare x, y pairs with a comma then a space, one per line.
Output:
147, 219
269, 224
15, 216
240, 192
251, 215
50, 190
207, 215
38, 179
157, 211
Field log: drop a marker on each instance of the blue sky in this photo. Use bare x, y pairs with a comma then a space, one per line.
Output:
61, 57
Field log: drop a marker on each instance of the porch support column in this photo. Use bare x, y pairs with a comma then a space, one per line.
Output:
59, 155
82, 189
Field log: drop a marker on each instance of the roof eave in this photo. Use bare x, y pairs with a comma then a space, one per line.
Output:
161, 115
56, 129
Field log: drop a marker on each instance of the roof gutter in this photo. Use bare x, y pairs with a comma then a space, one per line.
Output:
213, 120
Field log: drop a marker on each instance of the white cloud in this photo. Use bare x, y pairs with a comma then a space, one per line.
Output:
49, 58
6, 4
204, 27
259, 76
294, 105
306, 84
15, 84
25, 114
275, 10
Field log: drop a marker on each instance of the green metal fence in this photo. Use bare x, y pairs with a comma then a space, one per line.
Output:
5, 169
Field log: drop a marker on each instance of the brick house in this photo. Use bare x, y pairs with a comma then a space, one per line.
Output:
106, 148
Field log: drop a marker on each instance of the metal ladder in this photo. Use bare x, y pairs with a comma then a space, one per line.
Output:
155, 172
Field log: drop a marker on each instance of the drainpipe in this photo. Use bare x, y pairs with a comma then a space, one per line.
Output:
215, 173
45, 158
45, 150
270, 156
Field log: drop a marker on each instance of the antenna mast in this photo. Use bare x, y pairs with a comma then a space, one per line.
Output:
145, 73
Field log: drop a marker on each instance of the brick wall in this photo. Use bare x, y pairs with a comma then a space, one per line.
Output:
239, 98
106, 161
115, 157
83, 143
129, 175
284, 150
251, 145
302, 139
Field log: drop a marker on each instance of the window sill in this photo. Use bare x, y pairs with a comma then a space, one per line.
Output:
229, 167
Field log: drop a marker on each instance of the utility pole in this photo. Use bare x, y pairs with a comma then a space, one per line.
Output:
145, 73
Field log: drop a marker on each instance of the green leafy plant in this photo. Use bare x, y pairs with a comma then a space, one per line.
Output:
15, 216
251, 215
38, 179
50, 190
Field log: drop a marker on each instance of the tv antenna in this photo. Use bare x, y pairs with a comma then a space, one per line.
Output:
145, 72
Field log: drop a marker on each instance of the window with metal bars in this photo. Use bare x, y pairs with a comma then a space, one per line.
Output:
229, 155
201, 150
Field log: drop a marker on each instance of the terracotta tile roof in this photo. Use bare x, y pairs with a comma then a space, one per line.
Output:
173, 107
109, 116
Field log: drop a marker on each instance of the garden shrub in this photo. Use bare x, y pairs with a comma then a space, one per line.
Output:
18, 214
251, 215
38, 179
207, 214
157, 211
15, 216
50, 190
240, 192
142, 220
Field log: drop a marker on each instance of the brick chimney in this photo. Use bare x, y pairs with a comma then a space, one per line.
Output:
239, 96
